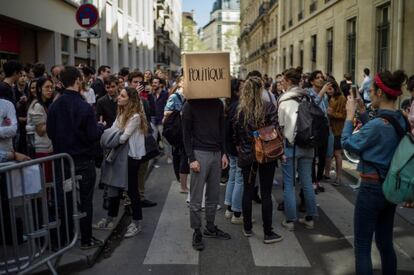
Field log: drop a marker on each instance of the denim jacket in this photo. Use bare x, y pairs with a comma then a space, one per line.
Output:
375, 143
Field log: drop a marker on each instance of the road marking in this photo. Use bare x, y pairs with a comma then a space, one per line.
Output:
171, 242
341, 212
287, 253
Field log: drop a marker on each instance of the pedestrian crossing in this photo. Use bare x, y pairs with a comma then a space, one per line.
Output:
171, 241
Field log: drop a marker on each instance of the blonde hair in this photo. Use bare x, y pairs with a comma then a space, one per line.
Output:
134, 106
251, 106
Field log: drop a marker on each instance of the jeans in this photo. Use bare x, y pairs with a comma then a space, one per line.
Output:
266, 174
373, 213
302, 158
209, 176
133, 194
86, 169
234, 188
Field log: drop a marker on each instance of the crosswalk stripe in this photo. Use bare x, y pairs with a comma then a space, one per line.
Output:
287, 253
341, 212
171, 242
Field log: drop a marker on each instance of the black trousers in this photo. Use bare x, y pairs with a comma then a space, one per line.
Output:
113, 207
86, 169
321, 152
180, 161
266, 174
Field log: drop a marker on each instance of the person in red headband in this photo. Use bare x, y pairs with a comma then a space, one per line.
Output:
375, 144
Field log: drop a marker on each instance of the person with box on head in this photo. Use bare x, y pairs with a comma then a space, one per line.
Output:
203, 134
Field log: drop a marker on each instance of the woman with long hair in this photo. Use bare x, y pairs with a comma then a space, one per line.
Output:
375, 143
297, 159
133, 124
37, 117
253, 113
336, 115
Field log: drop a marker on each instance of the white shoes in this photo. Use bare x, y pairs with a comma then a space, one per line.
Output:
133, 230
290, 226
228, 214
307, 224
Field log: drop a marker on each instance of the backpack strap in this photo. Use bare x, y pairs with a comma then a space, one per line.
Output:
393, 121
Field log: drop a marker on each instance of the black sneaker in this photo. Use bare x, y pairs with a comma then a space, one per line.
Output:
281, 206
247, 232
198, 241
148, 203
93, 243
272, 238
257, 199
217, 233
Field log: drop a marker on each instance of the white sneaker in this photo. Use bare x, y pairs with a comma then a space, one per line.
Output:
307, 224
237, 220
290, 226
132, 230
218, 207
169, 160
228, 214
103, 224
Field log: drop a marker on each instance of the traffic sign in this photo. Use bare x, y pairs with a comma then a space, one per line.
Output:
87, 16
90, 33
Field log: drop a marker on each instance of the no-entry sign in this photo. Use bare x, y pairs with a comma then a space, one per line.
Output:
87, 16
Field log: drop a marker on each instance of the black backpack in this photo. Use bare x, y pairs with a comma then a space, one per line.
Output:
312, 128
173, 131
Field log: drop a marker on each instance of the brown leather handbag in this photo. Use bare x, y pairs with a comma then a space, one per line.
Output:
268, 144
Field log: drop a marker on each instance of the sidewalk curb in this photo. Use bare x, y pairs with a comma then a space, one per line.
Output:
82, 260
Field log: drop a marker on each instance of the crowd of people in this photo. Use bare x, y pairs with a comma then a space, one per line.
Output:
116, 122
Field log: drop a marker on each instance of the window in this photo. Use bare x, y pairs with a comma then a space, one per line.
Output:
351, 46
329, 52
284, 58
290, 23
75, 45
313, 6
301, 53
121, 4
291, 55
64, 40
301, 9
383, 37
313, 51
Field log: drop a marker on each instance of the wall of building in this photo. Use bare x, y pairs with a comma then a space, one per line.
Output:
293, 23
127, 32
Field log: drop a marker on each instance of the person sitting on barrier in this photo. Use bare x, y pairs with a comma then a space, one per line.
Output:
131, 121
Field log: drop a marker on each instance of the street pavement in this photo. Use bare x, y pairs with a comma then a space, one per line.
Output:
164, 246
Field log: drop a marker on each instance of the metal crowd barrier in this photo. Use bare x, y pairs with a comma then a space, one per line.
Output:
38, 211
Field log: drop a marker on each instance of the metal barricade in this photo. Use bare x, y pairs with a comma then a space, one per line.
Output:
38, 211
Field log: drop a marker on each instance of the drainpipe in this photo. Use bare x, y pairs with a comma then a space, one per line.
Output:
400, 22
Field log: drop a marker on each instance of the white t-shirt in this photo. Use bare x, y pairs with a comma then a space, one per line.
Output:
90, 96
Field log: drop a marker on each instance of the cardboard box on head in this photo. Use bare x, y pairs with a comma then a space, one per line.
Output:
206, 75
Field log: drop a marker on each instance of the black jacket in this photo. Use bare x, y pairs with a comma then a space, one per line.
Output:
72, 126
228, 126
243, 137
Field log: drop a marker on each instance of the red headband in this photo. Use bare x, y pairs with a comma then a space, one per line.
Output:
386, 89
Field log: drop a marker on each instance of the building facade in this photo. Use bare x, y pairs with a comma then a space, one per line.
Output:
223, 30
168, 24
30, 32
336, 36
